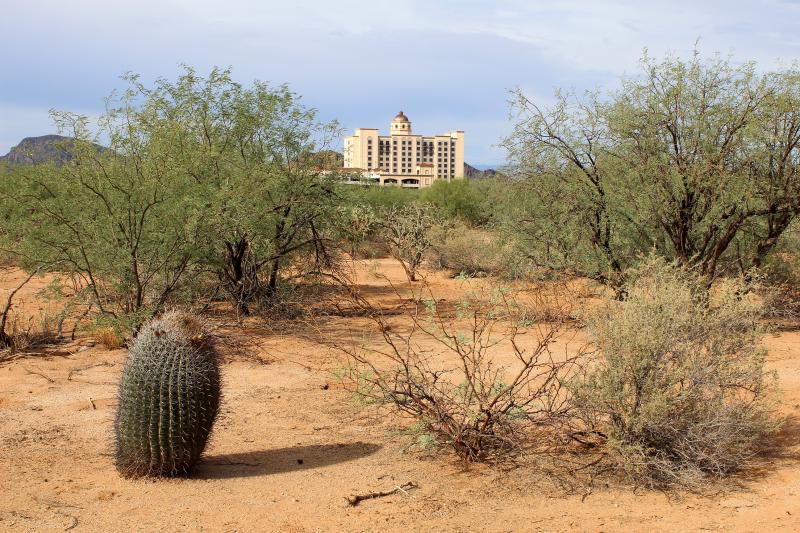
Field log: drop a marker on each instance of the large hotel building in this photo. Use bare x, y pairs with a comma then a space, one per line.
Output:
402, 158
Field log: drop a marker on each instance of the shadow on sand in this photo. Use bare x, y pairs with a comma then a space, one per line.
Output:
783, 449
265, 462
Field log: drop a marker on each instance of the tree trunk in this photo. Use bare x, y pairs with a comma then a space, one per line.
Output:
234, 272
273, 276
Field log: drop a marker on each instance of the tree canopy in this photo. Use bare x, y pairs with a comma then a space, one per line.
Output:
697, 159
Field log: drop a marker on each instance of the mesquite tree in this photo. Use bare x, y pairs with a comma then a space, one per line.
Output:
199, 175
697, 159
252, 151
119, 222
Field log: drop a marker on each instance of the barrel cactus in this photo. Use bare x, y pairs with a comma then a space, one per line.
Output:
168, 398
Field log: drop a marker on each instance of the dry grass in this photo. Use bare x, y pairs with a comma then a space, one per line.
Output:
109, 338
27, 332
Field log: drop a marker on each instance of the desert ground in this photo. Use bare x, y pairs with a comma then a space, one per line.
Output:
291, 444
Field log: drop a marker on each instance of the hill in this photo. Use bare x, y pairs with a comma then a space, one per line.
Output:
33, 150
473, 173
43, 149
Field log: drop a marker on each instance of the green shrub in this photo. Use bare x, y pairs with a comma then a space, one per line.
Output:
455, 199
168, 398
680, 392
378, 198
355, 225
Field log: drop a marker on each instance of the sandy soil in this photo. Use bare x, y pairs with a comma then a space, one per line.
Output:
290, 445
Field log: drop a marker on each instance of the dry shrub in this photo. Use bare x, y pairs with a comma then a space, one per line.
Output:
407, 230
478, 253
681, 392
551, 302
23, 333
477, 377
109, 338
19, 332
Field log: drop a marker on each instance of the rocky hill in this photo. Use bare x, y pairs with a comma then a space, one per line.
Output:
473, 173
33, 150
329, 158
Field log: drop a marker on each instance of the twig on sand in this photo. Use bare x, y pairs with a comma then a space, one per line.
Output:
358, 498
37, 373
78, 370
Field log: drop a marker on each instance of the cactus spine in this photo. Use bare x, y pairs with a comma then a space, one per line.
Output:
168, 398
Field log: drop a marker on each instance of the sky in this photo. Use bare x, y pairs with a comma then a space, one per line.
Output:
448, 64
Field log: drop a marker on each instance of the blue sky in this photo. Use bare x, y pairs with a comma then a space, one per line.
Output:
454, 60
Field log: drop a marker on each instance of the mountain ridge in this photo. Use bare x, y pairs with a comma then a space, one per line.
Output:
42, 149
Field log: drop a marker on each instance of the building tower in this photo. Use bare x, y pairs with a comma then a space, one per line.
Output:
400, 125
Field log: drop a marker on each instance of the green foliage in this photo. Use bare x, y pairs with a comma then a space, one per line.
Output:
681, 391
379, 199
201, 175
697, 159
355, 225
169, 394
252, 153
121, 223
459, 198
781, 273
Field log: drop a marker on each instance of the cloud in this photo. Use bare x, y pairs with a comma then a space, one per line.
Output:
448, 63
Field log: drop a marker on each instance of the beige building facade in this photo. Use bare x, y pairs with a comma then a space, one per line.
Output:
403, 158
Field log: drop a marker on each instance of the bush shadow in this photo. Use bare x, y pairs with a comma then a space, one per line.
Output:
782, 448
279, 460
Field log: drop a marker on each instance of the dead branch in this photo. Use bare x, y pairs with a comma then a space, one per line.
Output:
5, 339
84, 368
358, 498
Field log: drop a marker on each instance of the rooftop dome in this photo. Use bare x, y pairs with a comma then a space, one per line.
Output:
400, 117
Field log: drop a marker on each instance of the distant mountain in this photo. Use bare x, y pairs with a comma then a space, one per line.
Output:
473, 173
329, 158
44, 149
33, 150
